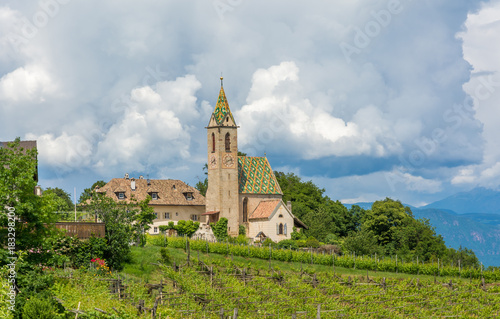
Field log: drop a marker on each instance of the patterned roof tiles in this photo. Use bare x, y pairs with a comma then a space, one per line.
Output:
222, 108
255, 176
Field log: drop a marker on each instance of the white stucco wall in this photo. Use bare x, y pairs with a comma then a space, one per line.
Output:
269, 227
176, 213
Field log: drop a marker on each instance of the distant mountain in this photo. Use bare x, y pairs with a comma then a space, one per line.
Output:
477, 201
458, 230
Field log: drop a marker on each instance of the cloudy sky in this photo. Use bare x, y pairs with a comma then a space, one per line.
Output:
369, 99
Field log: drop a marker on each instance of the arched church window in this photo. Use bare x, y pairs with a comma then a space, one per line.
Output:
245, 209
213, 143
228, 142
280, 229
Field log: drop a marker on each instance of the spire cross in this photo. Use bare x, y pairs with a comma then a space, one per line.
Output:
221, 78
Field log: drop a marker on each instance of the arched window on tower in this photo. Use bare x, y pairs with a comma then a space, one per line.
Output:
245, 209
213, 143
228, 142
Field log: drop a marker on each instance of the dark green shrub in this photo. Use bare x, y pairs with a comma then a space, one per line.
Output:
312, 242
39, 308
242, 230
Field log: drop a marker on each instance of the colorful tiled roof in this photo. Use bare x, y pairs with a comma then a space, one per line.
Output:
255, 176
222, 107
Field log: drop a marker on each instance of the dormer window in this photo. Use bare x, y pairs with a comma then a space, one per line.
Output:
121, 195
189, 196
154, 196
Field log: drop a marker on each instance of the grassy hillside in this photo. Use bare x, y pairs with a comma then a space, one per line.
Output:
213, 284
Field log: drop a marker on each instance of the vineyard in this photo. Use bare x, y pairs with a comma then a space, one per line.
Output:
325, 258
204, 291
201, 285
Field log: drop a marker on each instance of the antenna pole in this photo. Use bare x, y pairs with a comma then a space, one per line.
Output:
75, 203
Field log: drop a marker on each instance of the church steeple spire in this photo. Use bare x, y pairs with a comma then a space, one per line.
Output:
222, 113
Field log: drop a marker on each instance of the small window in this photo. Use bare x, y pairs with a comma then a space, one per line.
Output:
279, 229
228, 142
189, 196
154, 196
167, 215
194, 217
121, 195
213, 143
176, 214
280, 216
155, 230
245, 209
156, 215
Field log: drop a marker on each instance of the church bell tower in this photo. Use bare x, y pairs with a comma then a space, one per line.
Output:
222, 193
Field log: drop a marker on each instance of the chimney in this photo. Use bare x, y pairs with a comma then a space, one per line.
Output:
289, 206
132, 184
141, 177
38, 190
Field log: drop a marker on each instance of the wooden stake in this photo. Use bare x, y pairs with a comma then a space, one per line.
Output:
77, 309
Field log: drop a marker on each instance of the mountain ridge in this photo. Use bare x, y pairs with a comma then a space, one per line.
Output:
466, 219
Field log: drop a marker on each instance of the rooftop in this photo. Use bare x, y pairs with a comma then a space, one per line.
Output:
166, 191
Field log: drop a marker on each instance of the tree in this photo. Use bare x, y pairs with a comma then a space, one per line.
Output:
65, 204
384, 218
120, 229
305, 196
319, 222
187, 228
18, 166
355, 217
89, 192
202, 186
144, 218
362, 243
220, 229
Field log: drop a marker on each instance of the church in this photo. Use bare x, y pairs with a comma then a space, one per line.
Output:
242, 189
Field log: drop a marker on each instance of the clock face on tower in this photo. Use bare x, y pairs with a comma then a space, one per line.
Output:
228, 160
213, 161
